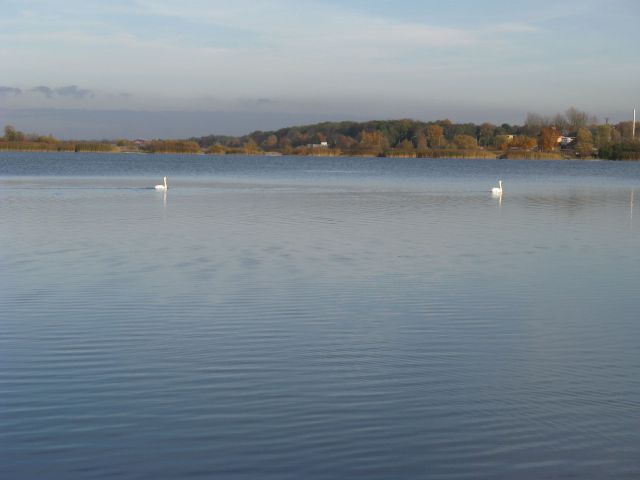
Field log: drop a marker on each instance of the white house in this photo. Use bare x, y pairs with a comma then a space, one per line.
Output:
565, 141
318, 145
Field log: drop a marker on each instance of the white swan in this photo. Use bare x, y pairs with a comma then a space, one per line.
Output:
497, 190
161, 187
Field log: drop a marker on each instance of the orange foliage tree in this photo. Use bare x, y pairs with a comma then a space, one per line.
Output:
548, 139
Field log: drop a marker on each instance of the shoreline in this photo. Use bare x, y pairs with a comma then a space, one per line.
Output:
391, 155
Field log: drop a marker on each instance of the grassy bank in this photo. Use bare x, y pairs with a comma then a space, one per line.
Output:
526, 155
57, 147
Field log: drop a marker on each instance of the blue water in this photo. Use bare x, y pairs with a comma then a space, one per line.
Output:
318, 318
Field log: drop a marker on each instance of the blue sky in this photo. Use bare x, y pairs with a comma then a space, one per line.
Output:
321, 59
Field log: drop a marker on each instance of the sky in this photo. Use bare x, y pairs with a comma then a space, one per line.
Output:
169, 68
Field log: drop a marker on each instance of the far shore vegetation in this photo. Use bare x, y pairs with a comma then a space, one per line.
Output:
573, 134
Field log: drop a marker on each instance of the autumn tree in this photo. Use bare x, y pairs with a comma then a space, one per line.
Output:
435, 135
523, 142
626, 131
548, 139
216, 149
285, 145
405, 145
465, 129
616, 136
250, 146
486, 134
270, 142
447, 127
602, 136
465, 142
13, 135
375, 139
297, 137
344, 142
235, 142
318, 137
503, 141
584, 142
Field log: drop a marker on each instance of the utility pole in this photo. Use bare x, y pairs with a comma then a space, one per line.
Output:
633, 128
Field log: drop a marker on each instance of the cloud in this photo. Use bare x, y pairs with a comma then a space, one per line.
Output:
287, 25
46, 91
69, 91
10, 91
73, 91
240, 54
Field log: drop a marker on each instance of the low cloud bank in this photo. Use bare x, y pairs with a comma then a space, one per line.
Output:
69, 91
9, 91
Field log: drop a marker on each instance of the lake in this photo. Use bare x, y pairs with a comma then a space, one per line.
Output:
318, 318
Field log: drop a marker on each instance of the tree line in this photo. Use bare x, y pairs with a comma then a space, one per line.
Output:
571, 134
16, 140
539, 136
574, 133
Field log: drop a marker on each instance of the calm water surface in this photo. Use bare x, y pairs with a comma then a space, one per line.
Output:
318, 318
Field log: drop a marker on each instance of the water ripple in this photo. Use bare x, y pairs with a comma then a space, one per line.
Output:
308, 322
